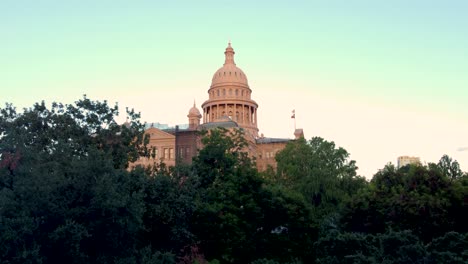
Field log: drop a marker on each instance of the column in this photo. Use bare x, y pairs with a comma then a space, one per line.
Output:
243, 114
234, 116
255, 117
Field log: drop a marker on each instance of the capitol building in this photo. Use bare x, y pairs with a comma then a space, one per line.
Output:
229, 105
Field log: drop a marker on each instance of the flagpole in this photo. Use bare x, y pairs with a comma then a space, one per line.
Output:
294, 122
294, 117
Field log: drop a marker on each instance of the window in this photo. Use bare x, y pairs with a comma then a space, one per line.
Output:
187, 152
155, 153
171, 153
237, 92
166, 153
181, 153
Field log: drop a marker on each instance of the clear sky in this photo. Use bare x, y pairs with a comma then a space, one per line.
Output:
380, 78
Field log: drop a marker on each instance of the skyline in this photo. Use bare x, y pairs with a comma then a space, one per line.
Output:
381, 80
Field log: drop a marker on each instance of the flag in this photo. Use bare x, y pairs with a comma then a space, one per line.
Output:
293, 114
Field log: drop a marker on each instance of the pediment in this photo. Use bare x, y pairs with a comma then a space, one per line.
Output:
156, 133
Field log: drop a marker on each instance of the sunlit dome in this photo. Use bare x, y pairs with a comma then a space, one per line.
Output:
229, 73
194, 111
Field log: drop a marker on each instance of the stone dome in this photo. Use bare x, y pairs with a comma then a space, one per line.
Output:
194, 111
229, 73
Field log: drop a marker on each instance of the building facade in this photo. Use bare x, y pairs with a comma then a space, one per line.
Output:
229, 105
406, 160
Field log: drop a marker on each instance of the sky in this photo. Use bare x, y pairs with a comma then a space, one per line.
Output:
381, 79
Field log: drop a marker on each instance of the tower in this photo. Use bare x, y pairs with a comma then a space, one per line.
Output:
230, 97
194, 117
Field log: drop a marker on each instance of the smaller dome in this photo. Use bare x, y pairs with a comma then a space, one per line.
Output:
194, 111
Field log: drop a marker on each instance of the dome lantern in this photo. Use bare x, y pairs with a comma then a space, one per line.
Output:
229, 55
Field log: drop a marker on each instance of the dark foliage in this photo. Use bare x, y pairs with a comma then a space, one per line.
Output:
67, 195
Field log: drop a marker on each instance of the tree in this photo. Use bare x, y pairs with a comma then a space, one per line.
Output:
320, 171
449, 248
450, 167
169, 205
238, 218
390, 247
65, 193
223, 152
417, 198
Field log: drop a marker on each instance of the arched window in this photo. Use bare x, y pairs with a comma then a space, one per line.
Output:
218, 92
224, 92
237, 92
230, 92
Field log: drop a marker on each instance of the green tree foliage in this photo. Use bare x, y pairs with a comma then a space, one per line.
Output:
65, 195
449, 248
390, 247
320, 171
237, 218
70, 130
169, 201
223, 152
417, 198
450, 167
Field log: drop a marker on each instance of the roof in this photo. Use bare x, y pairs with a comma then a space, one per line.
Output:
265, 140
165, 126
225, 124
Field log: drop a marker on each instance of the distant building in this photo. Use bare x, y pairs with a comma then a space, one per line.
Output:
229, 105
406, 160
